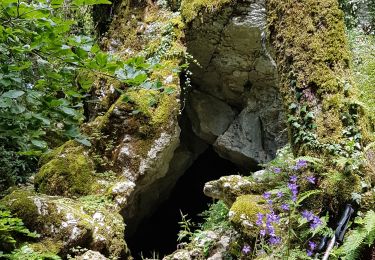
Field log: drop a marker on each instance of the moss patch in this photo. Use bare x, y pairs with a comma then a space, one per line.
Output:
191, 8
68, 172
243, 213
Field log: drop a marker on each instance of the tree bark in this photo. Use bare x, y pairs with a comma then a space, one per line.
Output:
325, 119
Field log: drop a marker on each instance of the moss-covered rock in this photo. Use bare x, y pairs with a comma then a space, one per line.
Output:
228, 188
243, 213
191, 8
67, 171
65, 223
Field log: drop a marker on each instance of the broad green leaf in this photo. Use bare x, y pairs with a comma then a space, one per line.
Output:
13, 94
69, 111
101, 59
17, 109
39, 143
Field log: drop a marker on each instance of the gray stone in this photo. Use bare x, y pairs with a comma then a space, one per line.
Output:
210, 116
243, 142
228, 188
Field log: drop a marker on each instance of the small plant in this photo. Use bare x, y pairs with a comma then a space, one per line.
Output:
186, 225
359, 238
27, 253
10, 229
216, 216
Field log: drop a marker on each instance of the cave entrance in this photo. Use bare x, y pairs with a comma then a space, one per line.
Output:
158, 233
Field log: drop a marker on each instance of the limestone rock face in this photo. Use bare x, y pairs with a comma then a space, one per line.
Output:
237, 68
209, 115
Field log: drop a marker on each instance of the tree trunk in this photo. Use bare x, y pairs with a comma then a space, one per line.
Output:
325, 118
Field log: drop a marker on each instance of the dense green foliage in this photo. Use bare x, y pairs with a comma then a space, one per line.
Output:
41, 91
47, 69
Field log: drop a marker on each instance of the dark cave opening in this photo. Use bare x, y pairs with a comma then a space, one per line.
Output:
158, 233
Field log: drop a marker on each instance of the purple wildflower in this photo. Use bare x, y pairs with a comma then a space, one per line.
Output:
246, 249
277, 170
259, 221
293, 178
285, 207
269, 202
271, 230
311, 249
280, 194
275, 240
311, 179
312, 245
267, 195
302, 163
294, 189
308, 215
316, 222
262, 232
272, 217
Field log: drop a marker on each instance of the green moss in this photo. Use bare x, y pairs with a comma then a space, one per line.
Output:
191, 8
314, 62
21, 204
68, 172
48, 156
243, 213
339, 187
47, 246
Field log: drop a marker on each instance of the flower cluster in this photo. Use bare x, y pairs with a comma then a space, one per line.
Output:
312, 219
300, 164
267, 222
311, 249
293, 187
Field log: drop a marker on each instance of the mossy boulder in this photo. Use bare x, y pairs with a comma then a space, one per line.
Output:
65, 223
243, 213
68, 171
228, 188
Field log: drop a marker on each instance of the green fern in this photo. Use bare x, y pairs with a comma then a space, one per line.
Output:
362, 236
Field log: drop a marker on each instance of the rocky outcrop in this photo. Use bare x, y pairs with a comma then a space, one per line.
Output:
228, 188
91, 255
236, 75
141, 140
210, 245
65, 223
